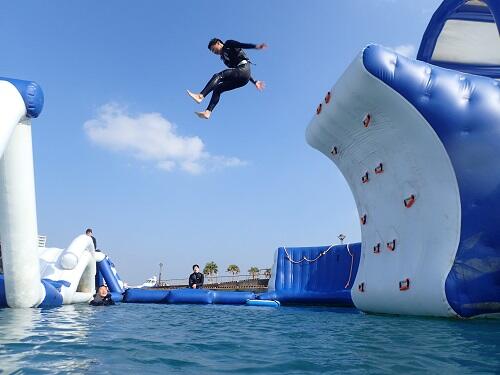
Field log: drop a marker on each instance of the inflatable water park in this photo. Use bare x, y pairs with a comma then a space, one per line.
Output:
416, 140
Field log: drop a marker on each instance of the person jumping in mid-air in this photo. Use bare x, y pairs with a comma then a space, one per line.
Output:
232, 54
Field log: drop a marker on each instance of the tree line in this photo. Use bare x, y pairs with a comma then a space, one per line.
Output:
212, 269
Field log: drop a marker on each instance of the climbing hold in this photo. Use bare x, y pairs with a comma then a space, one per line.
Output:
366, 120
391, 245
334, 150
404, 284
376, 248
364, 179
363, 219
379, 169
318, 110
328, 97
361, 287
409, 201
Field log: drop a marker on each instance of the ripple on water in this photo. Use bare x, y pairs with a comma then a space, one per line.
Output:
138, 338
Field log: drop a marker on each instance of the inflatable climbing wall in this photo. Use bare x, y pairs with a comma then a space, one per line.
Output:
418, 145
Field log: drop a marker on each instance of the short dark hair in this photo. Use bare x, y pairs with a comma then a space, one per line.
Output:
88, 231
213, 41
195, 265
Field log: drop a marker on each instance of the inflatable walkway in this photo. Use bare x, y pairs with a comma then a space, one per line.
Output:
187, 296
418, 145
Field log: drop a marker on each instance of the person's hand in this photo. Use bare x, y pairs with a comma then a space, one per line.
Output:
261, 46
194, 286
260, 85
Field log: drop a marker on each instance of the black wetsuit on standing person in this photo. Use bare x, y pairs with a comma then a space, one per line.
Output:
237, 75
196, 278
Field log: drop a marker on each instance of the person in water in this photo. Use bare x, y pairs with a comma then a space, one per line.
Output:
232, 54
196, 278
102, 297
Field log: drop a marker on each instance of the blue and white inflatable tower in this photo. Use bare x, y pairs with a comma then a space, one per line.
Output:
418, 143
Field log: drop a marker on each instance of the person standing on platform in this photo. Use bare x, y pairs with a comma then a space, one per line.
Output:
89, 233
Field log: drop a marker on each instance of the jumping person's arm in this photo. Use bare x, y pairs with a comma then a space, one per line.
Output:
260, 85
202, 281
235, 44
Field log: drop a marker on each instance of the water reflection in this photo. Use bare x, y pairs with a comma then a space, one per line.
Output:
46, 338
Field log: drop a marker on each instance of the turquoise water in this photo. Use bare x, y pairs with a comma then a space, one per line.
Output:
208, 339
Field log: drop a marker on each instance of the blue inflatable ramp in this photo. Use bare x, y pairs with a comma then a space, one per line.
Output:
314, 275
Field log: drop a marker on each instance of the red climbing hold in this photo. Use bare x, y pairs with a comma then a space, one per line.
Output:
318, 110
366, 120
391, 245
328, 97
376, 248
404, 284
379, 169
409, 201
365, 178
363, 219
334, 150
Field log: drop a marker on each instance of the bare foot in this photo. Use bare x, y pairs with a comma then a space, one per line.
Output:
205, 114
196, 97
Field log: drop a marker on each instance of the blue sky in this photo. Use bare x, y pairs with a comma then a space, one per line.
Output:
118, 148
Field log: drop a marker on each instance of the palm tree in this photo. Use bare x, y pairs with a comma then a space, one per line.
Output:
211, 269
234, 269
254, 271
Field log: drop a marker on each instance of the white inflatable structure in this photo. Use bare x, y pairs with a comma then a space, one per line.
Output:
395, 156
32, 276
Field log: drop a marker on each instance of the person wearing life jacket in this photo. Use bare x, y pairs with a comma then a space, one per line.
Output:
238, 75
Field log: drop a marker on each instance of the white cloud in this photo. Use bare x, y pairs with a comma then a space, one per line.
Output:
408, 50
152, 138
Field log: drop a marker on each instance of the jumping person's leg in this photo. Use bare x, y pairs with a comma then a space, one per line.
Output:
217, 91
238, 77
223, 87
214, 81
227, 74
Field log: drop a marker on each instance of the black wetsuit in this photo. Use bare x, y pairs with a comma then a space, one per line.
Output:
237, 75
102, 301
196, 278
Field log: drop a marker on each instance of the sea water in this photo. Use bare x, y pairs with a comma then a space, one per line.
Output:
206, 339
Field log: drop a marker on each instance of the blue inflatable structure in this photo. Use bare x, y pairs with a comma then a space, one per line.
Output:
187, 296
314, 275
300, 276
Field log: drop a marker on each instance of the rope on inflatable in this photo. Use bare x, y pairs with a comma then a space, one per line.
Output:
305, 259
352, 263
